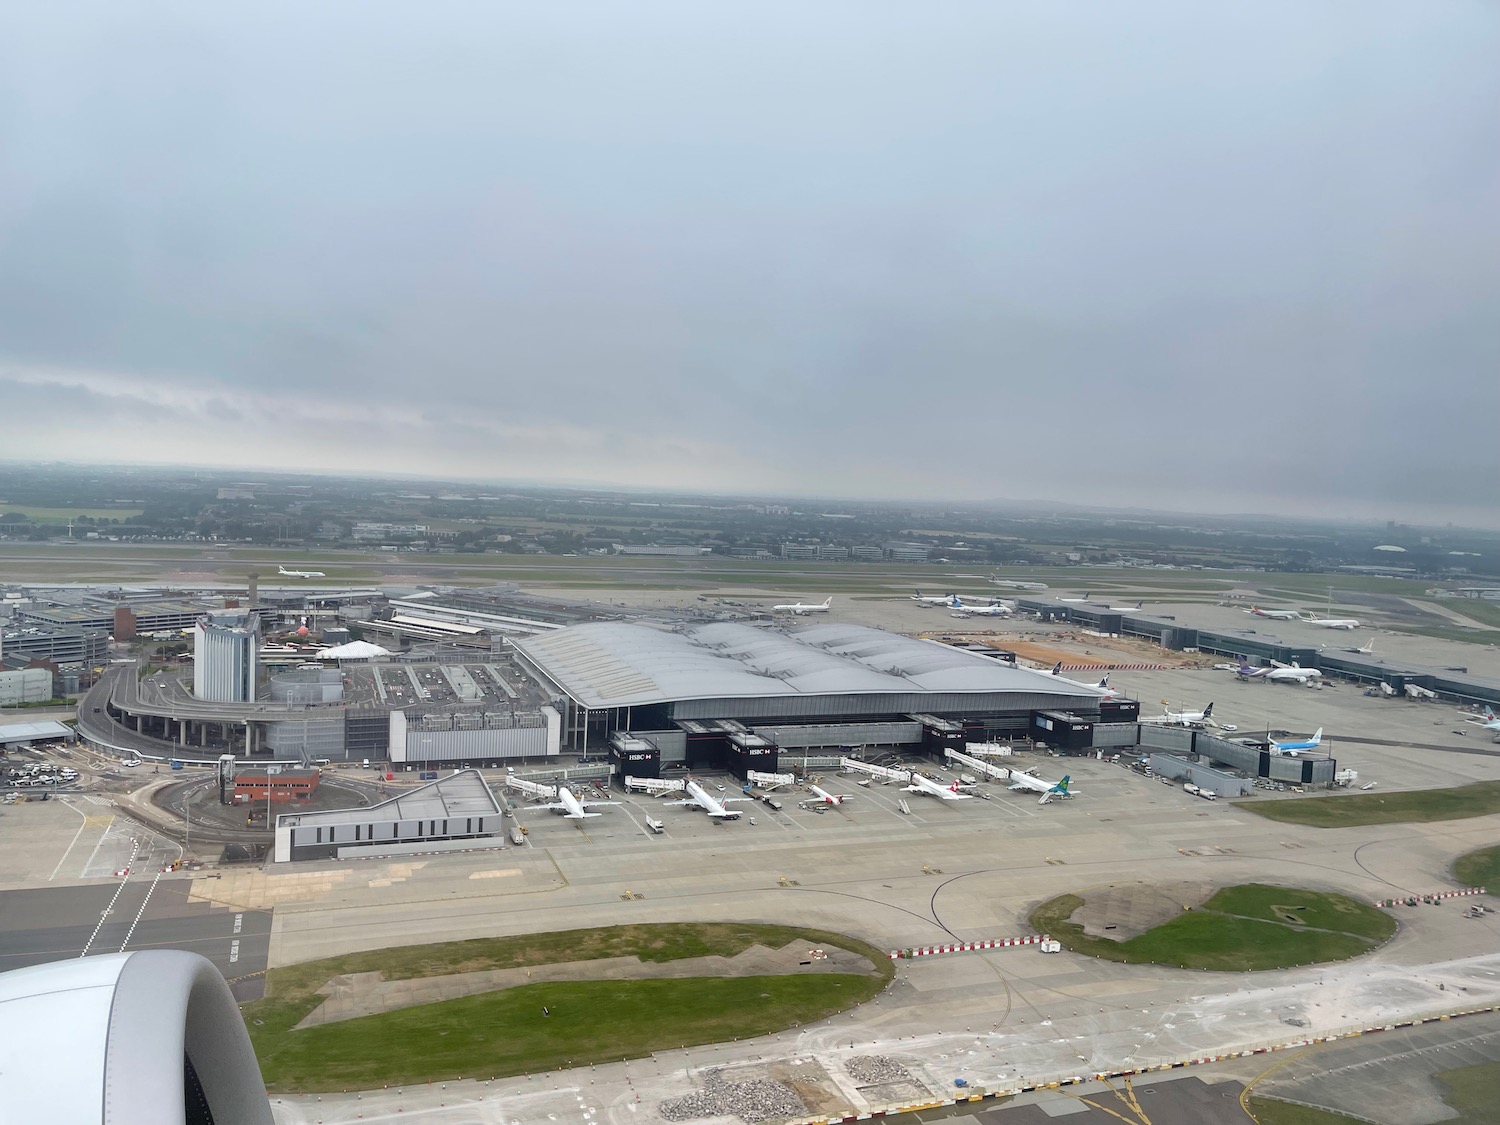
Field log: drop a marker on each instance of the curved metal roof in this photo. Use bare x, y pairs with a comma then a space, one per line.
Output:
616, 664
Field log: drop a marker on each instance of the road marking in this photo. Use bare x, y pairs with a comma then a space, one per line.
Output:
141, 912
239, 920
73, 841
234, 951
102, 917
102, 837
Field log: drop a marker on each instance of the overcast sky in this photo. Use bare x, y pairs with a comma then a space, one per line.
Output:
1218, 257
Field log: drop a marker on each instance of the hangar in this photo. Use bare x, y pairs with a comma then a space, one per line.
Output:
698, 692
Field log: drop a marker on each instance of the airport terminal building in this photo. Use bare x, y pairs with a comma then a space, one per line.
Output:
730, 695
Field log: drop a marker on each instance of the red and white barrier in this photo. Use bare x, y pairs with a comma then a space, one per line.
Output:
1115, 668
1434, 897
967, 947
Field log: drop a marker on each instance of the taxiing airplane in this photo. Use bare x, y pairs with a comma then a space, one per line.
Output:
700, 798
1292, 749
821, 796
1279, 673
1332, 622
1366, 649
994, 609
1102, 685
1014, 584
799, 609
1183, 718
285, 573
1078, 600
1140, 605
1019, 780
1274, 614
929, 599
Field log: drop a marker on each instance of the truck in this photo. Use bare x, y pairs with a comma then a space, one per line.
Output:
1208, 794
1189, 787
176, 764
655, 825
517, 835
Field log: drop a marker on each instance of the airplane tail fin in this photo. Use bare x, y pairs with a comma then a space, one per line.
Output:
1057, 668
1208, 711
828, 601
1317, 736
1062, 786
1141, 604
1103, 682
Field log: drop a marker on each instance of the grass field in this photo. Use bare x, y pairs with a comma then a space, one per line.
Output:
1240, 929
505, 1032
63, 515
1479, 869
1479, 799
1471, 1091
1269, 1111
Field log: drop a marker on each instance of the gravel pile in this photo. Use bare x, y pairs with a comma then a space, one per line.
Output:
749, 1101
875, 1070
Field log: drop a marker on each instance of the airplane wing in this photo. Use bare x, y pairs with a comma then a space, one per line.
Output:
594, 804
1026, 781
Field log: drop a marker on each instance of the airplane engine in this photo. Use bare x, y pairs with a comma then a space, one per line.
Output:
146, 1038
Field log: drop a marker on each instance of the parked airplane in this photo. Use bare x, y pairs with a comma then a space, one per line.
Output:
821, 796
1489, 721
929, 599
799, 609
1366, 649
1019, 780
1275, 614
915, 782
1129, 608
1279, 673
994, 609
1183, 718
1332, 622
1102, 685
700, 798
285, 573
572, 808
920, 784
1291, 749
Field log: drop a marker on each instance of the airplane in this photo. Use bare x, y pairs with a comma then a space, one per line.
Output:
1332, 622
799, 609
1080, 600
1275, 614
1183, 718
928, 599
1366, 649
994, 609
285, 573
915, 782
1015, 584
1102, 685
572, 808
700, 798
1140, 605
1489, 721
1279, 673
1019, 780
821, 796
926, 785
1291, 749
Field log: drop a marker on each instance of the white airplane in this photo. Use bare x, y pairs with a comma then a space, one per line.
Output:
1365, 648
1140, 605
1332, 622
285, 573
1102, 685
1274, 614
1078, 600
1278, 673
799, 609
929, 599
700, 798
1292, 749
994, 609
1015, 584
915, 782
821, 796
1183, 718
1489, 720
572, 808
1019, 780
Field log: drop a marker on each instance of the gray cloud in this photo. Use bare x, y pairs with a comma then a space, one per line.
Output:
1245, 257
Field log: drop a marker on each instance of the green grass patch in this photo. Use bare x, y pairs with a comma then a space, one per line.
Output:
1213, 937
504, 1032
1348, 811
1479, 869
1272, 1111
1471, 1091
1312, 909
